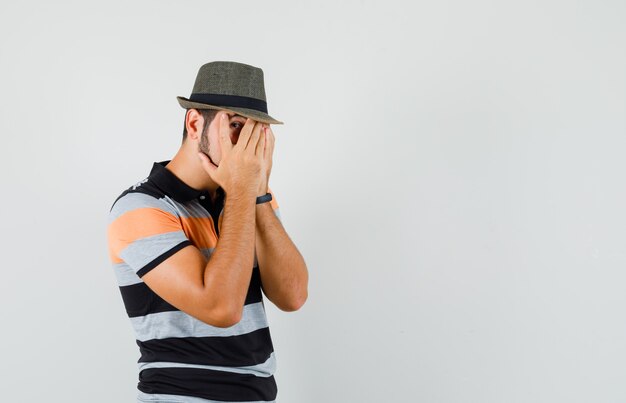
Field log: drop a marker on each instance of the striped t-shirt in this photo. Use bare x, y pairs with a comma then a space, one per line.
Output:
181, 355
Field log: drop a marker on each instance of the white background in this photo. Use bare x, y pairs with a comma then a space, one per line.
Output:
452, 172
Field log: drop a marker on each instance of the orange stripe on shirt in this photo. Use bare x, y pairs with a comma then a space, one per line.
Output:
137, 224
199, 231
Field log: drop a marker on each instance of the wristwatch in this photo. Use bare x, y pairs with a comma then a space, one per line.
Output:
263, 199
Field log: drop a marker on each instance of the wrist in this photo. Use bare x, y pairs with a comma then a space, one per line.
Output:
242, 194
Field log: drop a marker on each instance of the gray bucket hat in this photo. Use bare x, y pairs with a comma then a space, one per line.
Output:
232, 87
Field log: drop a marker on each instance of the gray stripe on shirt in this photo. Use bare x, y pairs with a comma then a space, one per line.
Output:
133, 201
125, 275
142, 251
162, 398
164, 325
264, 370
192, 208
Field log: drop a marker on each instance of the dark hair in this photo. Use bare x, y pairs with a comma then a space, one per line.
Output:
207, 115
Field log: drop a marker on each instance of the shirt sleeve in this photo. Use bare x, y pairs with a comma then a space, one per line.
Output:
274, 204
143, 232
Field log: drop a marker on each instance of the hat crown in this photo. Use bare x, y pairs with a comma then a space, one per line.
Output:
234, 87
230, 78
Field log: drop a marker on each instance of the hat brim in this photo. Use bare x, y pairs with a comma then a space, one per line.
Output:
248, 113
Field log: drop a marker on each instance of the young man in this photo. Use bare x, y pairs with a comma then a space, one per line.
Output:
195, 243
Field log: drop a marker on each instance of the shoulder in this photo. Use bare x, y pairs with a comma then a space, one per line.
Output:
143, 224
142, 195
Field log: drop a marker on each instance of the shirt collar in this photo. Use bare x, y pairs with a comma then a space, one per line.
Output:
172, 186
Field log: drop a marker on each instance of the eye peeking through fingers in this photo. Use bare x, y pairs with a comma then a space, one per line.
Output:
234, 135
236, 125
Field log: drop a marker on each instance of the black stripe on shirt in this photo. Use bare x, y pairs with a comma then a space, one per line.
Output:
208, 384
228, 351
140, 300
145, 188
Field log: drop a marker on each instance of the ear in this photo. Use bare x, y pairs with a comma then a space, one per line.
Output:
194, 123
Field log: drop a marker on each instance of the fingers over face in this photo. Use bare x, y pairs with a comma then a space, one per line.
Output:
246, 132
224, 132
254, 137
270, 141
260, 146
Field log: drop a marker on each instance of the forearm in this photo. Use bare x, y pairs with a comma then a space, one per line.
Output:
283, 271
228, 272
214, 291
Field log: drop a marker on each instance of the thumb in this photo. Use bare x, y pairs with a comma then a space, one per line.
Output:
207, 164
